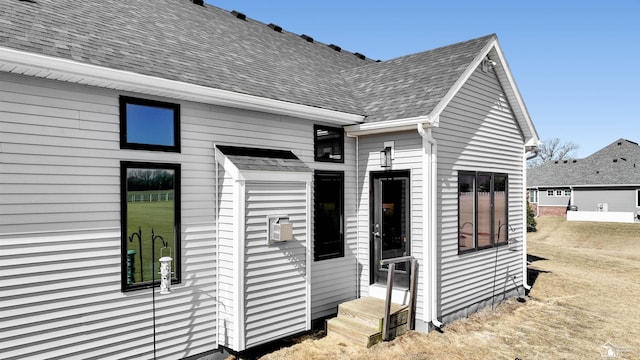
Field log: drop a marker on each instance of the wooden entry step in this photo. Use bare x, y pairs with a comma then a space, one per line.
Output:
361, 320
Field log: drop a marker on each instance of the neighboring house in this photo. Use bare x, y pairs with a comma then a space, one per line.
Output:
214, 137
605, 186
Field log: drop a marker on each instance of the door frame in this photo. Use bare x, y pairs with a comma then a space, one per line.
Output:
374, 176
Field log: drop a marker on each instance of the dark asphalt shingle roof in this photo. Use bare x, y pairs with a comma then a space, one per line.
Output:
411, 85
258, 159
209, 46
615, 164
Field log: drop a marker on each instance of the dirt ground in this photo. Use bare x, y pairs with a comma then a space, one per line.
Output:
584, 305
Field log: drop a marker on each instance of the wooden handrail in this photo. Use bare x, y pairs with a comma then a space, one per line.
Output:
412, 292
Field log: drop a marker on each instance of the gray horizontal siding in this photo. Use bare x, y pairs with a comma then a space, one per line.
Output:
408, 156
478, 133
275, 275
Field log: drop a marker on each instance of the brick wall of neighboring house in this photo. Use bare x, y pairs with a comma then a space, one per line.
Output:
534, 207
552, 211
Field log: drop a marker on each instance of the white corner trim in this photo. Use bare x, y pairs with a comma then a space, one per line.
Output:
49, 67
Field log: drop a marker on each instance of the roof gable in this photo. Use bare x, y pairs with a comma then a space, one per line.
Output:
415, 89
413, 85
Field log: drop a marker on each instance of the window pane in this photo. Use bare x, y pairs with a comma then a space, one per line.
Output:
466, 221
500, 208
484, 210
549, 192
150, 125
328, 215
151, 218
329, 144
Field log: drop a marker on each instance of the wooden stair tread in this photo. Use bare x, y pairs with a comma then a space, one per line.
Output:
361, 320
354, 331
370, 306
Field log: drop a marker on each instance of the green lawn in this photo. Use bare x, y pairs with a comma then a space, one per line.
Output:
159, 216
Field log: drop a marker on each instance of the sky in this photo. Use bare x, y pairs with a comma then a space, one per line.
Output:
576, 63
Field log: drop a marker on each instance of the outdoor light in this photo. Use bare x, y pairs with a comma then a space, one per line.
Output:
385, 157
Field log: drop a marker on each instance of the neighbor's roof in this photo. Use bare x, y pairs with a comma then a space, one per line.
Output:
616, 164
206, 46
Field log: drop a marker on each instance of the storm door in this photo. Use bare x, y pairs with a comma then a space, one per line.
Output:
390, 231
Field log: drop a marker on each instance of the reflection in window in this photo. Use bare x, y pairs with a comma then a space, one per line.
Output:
482, 210
149, 125
466, 206
328, 215
328, 144
500, 208
150, 216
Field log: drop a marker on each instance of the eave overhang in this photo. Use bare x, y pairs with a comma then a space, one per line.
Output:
54, 68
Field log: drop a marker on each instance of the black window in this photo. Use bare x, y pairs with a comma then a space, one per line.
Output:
328, 215
149, 125
483, 220
150, 211
328, 144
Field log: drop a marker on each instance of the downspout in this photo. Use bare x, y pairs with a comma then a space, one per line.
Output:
525, 158
430, 222
217, 221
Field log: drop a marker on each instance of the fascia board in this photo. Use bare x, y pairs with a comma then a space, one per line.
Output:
30, 64
276, 176
381, 127
516, 98
228, 165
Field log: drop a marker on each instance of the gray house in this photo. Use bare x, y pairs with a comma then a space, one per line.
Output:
605, 186
176, 178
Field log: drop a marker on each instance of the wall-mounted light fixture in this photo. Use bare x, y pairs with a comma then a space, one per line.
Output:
385, 157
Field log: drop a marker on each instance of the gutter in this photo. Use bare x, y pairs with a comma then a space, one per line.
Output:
429, 196
55, 68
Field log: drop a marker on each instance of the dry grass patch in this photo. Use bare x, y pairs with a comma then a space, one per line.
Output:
586, 295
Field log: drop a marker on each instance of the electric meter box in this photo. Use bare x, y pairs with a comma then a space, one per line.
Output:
279, 229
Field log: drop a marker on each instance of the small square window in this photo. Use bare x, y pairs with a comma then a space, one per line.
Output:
558, 192
149, 125
328, 144
567, 193
550, 193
